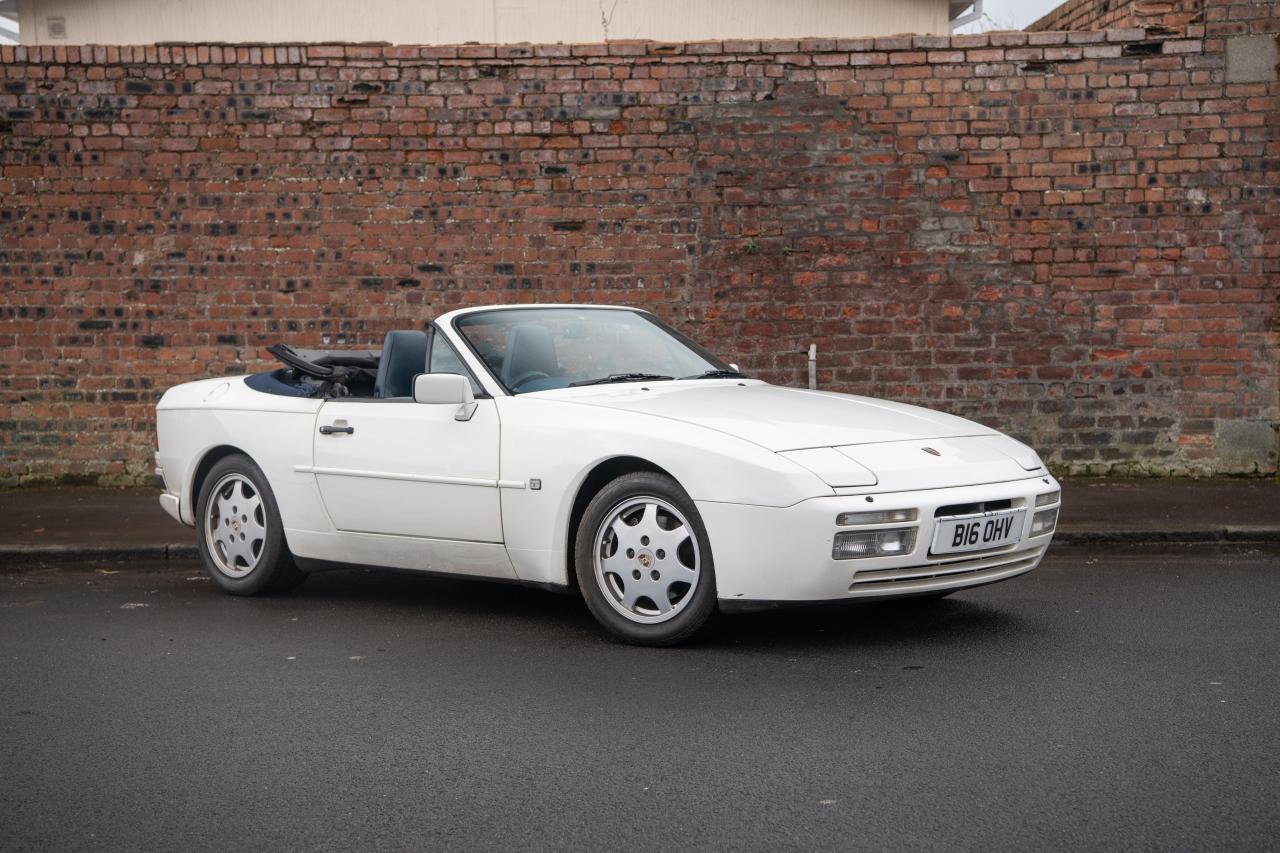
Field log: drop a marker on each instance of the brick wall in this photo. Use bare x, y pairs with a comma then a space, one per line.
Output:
1071, 236
1101, 14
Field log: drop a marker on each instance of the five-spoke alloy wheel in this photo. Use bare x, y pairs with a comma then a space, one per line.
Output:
643, 561
241, 538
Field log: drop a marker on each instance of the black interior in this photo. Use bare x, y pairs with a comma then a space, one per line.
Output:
347, 373
404, 355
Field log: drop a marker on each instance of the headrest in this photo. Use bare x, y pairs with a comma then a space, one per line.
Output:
404, 355
530, 349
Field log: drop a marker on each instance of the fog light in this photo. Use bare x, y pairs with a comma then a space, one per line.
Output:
878, 516
873, 543
1044, 521
1048, 498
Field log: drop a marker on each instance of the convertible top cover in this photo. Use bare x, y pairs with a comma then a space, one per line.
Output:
318, 373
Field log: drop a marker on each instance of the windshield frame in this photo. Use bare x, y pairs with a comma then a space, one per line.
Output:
646, 315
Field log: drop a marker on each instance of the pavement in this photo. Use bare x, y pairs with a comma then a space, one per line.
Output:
60, 523
1120, 697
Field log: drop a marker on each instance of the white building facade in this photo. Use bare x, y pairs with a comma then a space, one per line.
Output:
461, 21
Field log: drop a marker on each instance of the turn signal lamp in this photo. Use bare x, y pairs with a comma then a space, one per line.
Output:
878, 516
1048, 498
1044, 521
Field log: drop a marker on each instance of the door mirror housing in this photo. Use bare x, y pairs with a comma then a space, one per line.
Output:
445, 389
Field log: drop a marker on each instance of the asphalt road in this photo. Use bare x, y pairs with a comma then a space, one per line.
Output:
1118, 699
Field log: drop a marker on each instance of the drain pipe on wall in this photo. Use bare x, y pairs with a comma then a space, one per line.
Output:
813, 367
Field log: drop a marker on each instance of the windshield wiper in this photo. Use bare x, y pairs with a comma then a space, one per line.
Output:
718, 373
620, 377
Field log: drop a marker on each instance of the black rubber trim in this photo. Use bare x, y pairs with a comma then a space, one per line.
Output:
311, 565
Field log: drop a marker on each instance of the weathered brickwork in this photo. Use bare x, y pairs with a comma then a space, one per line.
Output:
1101, 14
1072, 236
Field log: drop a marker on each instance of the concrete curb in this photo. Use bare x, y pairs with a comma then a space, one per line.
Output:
20, 555
1237, 535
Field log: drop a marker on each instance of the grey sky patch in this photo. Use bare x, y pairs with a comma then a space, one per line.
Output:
1009, 14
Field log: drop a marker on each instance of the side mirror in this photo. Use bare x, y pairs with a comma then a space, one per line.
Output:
445, 389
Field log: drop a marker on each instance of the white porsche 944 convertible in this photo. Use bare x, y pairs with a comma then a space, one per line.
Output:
592, 449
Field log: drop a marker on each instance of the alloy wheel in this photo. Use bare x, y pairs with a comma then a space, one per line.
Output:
235, 525
646, 560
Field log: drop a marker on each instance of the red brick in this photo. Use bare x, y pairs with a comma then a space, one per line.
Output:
1095, 239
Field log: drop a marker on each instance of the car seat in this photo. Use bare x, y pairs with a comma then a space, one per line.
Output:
404, 355
530, 350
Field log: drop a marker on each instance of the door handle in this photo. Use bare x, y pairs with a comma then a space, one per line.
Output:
329, 429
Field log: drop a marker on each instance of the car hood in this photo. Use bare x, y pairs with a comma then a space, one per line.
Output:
775, 417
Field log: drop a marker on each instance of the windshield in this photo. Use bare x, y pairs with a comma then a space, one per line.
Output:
536, 349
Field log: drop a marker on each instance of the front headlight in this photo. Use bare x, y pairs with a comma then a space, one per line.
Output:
851, 545
832, 467
1027, 458
1044, 521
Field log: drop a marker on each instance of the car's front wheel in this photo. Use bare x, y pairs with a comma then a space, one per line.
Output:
643, 560
241, 540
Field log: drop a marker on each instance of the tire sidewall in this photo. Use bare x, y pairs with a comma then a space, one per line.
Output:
695, 615
274, 561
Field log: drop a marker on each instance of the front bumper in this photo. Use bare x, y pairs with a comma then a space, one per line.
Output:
169, 501
768, 554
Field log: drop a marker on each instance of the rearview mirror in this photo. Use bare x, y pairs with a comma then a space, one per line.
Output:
445, 389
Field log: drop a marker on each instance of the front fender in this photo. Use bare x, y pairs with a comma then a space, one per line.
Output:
559, 443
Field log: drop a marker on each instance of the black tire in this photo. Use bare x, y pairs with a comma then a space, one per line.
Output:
692, 604
265, 566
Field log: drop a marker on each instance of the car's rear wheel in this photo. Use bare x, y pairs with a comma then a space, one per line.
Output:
643, 560
241, 540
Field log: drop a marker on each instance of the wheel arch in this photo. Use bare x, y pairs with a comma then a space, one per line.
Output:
604, 472
202, 468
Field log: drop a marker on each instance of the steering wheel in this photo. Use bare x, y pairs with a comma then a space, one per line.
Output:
528, 376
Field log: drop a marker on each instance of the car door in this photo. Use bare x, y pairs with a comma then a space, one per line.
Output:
400, 468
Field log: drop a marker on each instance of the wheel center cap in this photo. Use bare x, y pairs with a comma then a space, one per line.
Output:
645, 559
235, 525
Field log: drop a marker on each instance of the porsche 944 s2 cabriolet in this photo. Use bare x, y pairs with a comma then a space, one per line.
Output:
592, 449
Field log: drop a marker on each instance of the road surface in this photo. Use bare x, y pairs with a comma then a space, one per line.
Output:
1117, 698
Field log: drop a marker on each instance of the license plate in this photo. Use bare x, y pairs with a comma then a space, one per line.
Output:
978, 532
